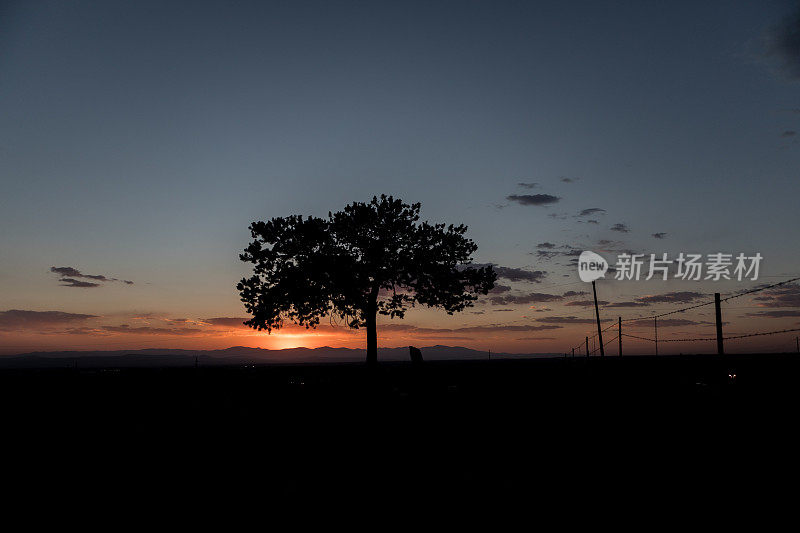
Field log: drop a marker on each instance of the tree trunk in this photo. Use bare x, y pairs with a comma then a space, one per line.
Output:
372, 336
372, 324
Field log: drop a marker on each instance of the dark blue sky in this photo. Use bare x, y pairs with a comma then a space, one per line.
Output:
139, 139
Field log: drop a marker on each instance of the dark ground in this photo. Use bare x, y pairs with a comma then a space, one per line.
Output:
678, 430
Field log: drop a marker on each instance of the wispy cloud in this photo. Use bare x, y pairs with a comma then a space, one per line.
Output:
664, 322
533, 199
499, 289
147, 330
71, 277
550, 250
585, 303
782, 44
226, 321
628, 304
514, 274
570, 294
17, 319
491, 328
620, 227
783, 296
529, 298
70, 282
774, 314
567, 320
672, 297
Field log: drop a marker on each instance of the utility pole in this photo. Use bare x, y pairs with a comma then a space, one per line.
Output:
587, 347
655, 326
797, 342
619, 335
597, 316
720, 349
573, 353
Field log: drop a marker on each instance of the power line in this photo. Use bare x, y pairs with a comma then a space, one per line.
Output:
668, 313
637, 337
699, 339
696, 339
684, 309
760, 334
697, 306
757, 289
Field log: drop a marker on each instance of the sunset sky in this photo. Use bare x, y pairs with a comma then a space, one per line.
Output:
138, 140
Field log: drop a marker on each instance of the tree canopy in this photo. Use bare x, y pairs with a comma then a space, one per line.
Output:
367, 259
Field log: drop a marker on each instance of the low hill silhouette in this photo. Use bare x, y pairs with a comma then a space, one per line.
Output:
237, 355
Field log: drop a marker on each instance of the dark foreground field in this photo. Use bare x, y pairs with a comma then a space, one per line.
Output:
669, 429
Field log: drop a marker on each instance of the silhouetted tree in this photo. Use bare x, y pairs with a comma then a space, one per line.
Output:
367, 259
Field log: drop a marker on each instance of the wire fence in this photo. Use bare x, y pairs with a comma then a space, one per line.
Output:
599, 344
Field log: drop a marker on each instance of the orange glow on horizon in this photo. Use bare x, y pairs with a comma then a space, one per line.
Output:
165, 336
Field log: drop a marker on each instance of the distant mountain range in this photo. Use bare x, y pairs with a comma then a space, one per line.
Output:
236, 355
